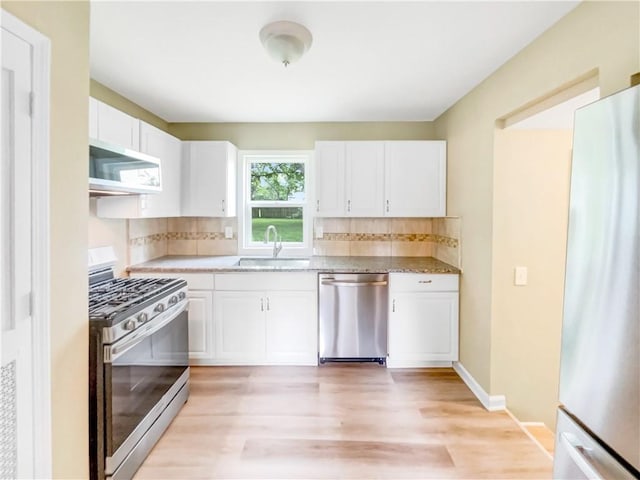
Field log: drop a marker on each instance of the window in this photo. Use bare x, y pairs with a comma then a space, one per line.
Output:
274, 192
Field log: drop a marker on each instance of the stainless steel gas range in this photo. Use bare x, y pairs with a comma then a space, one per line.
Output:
139, 374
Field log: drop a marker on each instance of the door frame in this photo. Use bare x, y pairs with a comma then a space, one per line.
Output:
40, 233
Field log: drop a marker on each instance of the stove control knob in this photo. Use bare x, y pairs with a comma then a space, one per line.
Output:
129, 325
173, 300
182, 295
142, 318
159, 308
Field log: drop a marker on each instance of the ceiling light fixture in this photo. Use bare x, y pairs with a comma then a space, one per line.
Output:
285, 41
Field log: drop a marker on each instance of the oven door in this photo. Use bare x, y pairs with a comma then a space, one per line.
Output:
142, 374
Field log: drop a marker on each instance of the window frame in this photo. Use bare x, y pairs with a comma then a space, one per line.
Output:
246, 246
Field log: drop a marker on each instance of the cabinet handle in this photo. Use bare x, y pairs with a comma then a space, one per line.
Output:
348, 205
223, 205
387, 205
268, 307
425, 281
262, 304
393, 305
317, 205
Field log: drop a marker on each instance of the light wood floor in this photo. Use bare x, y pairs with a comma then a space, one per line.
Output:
339, 421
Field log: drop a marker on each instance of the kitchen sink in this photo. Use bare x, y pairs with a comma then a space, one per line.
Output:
273, 262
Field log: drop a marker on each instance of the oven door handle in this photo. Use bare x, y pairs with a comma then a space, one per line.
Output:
113, 352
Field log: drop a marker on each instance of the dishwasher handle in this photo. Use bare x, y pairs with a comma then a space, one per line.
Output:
346, 283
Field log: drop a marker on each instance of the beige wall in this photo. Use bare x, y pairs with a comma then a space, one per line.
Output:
108, 96
531, 207
596, 35
66, 24
300, 136
105, 232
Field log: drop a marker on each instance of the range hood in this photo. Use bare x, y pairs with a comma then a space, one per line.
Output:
114, 170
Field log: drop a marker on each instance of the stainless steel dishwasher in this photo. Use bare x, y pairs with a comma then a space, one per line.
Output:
353, 316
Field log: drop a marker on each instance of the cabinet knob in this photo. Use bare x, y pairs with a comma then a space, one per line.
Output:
425, 281
387, 205
348, 205
268, 307
222, 205
262, 304
317, 205
393, 305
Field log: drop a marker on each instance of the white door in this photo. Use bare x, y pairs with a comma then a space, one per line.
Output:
365, 179
200, 324
16, 389
292, 328
329, 159
415, 176
239, 319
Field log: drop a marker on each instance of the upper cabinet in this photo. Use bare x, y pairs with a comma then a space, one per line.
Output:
349, 179
209, 179
113, 126
415, 178
378, 178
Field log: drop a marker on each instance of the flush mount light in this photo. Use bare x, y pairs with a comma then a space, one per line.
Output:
285, 41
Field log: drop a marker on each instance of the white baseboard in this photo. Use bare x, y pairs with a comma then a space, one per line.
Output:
491, 402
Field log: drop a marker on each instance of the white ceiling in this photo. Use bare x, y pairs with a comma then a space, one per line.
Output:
369, 61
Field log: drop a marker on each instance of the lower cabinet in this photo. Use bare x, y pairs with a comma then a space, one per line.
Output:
200, 324
265, 327
423, 320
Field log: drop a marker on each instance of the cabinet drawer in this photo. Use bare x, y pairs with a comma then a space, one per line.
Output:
423, 282
195, 281
271, 281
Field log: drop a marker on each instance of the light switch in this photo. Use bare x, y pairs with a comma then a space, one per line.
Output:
228, 232
319, 232
520, 276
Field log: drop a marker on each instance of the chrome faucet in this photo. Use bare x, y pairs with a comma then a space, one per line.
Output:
276, 247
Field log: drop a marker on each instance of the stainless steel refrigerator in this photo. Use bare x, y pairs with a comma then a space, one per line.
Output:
598, 429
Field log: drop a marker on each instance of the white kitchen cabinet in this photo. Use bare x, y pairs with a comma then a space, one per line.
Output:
291, 332
364, 179
256, 326
423, 320
209, 179
166, 203
200, 324
329, 179
349, 179
110, 125
415, 178
381, 178
240, 327
200, 295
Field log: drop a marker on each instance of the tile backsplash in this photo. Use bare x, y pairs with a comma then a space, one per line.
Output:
399, 237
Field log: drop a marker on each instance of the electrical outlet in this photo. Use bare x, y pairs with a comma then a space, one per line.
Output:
228, 232
319, 232
520, 276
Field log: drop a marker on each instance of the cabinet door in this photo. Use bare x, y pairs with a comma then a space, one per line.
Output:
239, 319
200, 324
423, 327
415, 179
364, 179
208, 187
292, 328
329, 179
168, 149
117, 127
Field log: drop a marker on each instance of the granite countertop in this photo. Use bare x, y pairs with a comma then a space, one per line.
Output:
213, 264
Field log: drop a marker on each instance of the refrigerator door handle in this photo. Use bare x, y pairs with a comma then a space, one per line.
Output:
575, 451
